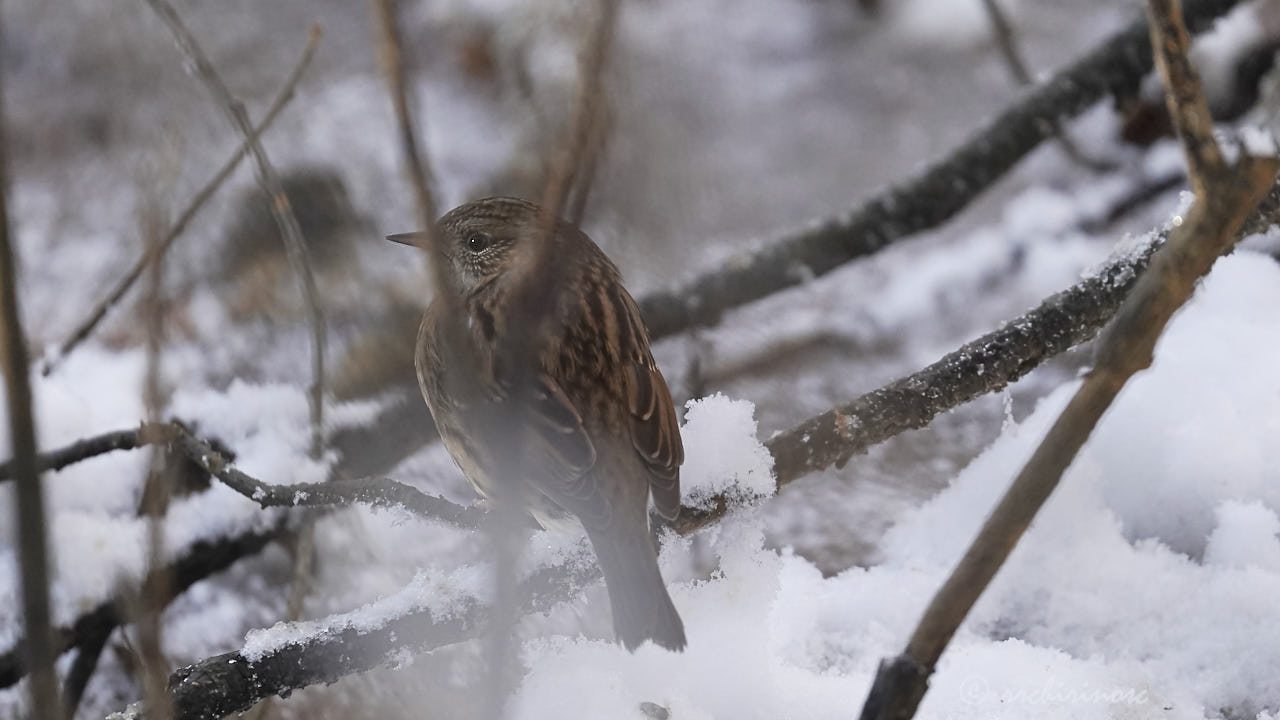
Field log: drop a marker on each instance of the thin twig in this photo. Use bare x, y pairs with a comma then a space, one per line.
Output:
78, 451
1007, 41
281, 209
90, 322
1225, 196
577, 153
156, 490
29, 508
389, 43
376, 492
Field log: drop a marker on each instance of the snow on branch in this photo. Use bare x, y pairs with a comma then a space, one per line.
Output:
928, 200
375, 492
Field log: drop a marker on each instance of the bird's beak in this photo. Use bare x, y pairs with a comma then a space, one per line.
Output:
410, 238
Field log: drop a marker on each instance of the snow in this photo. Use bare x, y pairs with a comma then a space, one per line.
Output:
444, 596
1102, 610
722, 454
98, 542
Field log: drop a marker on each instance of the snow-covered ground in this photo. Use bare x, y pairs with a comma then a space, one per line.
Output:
1143, 590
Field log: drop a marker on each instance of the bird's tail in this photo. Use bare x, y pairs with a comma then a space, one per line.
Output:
642, 609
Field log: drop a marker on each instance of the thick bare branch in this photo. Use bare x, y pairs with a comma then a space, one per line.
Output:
281, 209
90, 322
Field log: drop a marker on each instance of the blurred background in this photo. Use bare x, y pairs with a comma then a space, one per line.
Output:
727, 124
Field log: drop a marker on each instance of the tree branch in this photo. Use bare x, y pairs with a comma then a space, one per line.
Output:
925, 201
281, 209
391, 59
78, 451
376, 492
90, 322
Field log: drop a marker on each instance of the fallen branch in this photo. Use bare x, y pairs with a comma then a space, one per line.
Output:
90, 322
281, 209
1225, 196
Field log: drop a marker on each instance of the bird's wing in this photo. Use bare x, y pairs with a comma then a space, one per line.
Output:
606, 335
563, 452
655, 432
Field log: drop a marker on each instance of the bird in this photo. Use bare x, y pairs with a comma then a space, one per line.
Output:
536, 366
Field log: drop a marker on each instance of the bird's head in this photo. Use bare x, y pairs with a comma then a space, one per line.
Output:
481, 242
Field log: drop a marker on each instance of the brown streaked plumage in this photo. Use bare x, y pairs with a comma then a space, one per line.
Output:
549, 348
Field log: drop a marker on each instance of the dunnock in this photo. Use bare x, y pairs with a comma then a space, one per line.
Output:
536, 367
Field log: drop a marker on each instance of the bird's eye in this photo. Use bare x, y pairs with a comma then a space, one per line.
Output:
478, 242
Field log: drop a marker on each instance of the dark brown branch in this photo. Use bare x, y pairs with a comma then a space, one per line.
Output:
87, 326
78, 451
32, 540
281, 209
88, 652
927, 200
1225, 197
